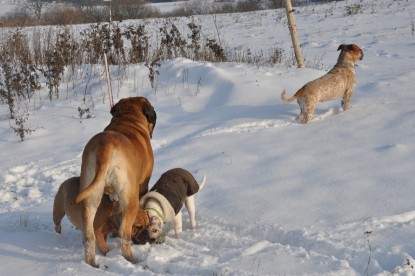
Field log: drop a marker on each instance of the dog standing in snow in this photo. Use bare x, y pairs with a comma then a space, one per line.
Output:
107, 219
165, 200
339, 82
117, 162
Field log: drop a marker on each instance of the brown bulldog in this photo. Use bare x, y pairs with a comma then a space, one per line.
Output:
118, 162
339, 82
107, 218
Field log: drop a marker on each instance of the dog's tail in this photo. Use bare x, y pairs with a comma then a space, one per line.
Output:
296, 95
102, 163
202, 183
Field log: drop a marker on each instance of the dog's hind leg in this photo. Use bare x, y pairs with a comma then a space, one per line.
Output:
346, 99
101, 238
88, 216
309, 111
58, 210
191, 208
302, 108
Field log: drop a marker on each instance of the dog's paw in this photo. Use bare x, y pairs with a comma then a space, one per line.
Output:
58, 229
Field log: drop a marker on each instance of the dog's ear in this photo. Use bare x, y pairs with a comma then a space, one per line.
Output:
116, 107
150, 113
345, 47
113, 110
342, 47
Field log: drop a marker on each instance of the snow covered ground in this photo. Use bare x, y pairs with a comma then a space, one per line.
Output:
334, 197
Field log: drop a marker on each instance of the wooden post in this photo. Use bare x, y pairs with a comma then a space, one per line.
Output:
107, 72
293, 31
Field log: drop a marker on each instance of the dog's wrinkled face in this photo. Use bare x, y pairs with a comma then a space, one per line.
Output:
140, 235
155, 229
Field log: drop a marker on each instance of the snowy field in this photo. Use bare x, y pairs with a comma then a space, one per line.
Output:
281, 198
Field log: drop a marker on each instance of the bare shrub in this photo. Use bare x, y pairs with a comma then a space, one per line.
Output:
275, 4
201, 7
195, 40
20, 128
276, 57
127, 9
117, 45
54, 63
100, 38
37, 55
64, 15
247, 6
18, 76
139, 43
354, 9
6, 92
172, 44
84, 111
94, 40
95, 14
153, 71
213, 52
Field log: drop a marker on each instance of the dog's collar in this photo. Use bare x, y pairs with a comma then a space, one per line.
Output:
160, 215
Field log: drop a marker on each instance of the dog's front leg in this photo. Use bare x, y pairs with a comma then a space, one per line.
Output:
346, 99
178, 224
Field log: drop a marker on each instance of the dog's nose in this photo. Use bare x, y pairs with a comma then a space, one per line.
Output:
154, 230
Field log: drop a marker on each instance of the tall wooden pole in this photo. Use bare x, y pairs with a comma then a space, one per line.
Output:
107, 73
293, 31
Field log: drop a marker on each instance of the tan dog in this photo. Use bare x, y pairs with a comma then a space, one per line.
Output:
118, 162
107, 218
339, 82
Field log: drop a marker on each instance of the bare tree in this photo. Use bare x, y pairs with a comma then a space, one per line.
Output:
127, 9
275, 4
34, 7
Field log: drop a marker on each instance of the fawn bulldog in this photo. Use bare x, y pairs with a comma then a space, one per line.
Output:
107, 218
118, 162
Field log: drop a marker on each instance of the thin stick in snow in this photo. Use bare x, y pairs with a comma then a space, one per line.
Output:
107, 71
